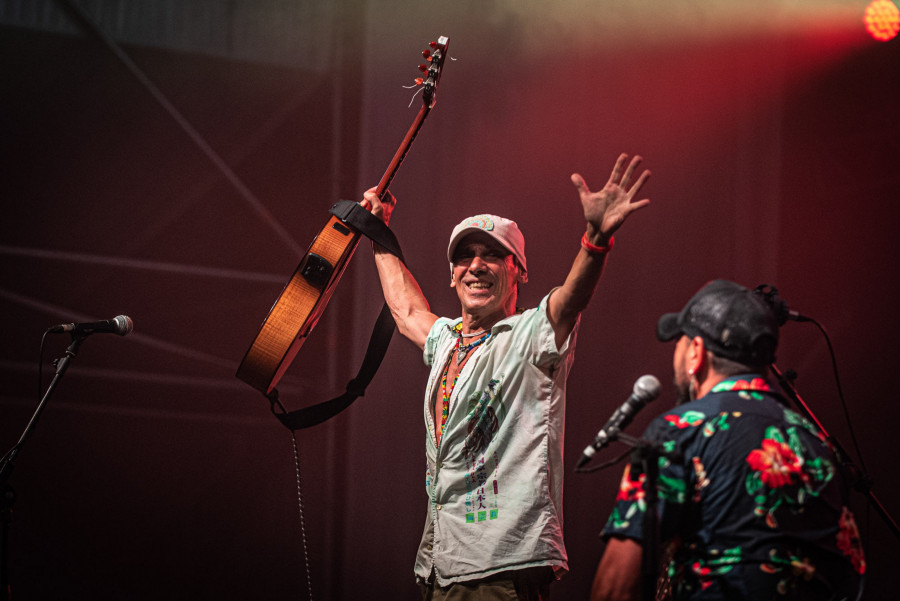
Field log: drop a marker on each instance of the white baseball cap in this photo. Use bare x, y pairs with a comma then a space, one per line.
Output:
504, 231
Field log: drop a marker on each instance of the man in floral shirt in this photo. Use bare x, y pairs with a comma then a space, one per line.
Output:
752, 503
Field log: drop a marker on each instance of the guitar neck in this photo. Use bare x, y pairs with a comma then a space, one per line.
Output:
304, 297
382, 187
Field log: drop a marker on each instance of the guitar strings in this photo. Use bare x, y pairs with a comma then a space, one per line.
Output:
411, 100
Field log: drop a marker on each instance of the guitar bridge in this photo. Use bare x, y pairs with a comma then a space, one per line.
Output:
317, 271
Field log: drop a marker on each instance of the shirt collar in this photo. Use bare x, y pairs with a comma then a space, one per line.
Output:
754, 382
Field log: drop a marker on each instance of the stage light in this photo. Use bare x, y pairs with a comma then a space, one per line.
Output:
882, 20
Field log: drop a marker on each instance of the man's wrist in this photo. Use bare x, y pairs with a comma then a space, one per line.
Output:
597, 249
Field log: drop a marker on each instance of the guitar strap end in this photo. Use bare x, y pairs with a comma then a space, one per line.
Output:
368, 225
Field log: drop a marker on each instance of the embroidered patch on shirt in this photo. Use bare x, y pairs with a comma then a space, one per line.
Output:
482, 476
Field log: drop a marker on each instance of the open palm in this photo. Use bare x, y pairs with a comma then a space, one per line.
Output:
607, 209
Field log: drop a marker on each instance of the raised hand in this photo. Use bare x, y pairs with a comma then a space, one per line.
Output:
381, 208
606, 210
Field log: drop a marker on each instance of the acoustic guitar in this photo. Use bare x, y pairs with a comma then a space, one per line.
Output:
303, 299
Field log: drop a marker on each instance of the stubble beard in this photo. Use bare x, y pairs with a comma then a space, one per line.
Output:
683, 389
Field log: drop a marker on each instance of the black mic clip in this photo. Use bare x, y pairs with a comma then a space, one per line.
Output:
778, 305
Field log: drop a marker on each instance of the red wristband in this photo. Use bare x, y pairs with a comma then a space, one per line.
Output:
591, 248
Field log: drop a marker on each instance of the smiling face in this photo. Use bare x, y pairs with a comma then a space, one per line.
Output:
485, 275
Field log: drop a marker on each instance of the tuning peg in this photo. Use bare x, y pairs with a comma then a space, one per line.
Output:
423, 68
426, 53
419, 81
433, 44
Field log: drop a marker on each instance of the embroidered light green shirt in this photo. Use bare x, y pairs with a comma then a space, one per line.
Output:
494, 483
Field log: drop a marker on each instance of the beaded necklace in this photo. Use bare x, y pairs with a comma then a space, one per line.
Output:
458, 329
461, 352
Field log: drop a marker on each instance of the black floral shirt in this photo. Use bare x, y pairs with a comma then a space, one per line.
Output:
758, 504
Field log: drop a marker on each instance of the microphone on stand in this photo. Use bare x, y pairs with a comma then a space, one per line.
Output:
120, 325
646, 389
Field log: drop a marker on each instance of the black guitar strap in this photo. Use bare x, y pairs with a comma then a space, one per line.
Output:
373, 228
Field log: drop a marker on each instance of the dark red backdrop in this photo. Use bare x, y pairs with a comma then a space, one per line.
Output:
155, 473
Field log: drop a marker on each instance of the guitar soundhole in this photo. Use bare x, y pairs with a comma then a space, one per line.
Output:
317, 271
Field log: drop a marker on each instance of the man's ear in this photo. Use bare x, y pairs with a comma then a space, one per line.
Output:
695, 358
521, 274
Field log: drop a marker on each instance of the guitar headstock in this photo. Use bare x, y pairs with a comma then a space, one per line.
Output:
431, 70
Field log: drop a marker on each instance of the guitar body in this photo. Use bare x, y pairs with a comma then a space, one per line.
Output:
299, 306
301, 303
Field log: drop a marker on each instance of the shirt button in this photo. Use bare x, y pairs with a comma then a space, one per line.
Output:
438, 507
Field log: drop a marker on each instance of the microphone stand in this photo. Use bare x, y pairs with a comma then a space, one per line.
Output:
7, 463
861, 481
645, 456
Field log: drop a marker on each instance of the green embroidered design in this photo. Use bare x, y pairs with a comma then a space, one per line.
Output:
791, 566
485, 412
672, 489
715, 564
719, 424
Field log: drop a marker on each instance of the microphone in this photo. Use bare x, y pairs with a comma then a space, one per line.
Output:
645, 390
120, 325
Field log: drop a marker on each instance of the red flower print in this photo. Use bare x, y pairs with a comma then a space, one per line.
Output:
776, 463
703, 573
631, 490
757, 384
849, 543
690, 418
676, 421
754, 384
